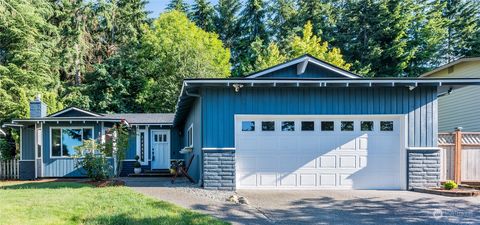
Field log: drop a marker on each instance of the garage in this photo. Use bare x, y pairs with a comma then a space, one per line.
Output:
315, 152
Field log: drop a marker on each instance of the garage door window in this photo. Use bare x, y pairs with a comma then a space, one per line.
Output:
248, 125
386, 125
308, 126
346, 126
366, 126
288, 126
327, 126
268, 126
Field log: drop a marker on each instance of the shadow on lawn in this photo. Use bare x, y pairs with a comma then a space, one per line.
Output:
180, 217
44, 185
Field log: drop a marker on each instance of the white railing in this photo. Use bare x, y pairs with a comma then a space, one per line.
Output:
9, 169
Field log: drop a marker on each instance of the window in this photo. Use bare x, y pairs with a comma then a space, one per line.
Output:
189, 136
248, 125
308, 126
327, 126
346, 126
64, 140
268, 126
142, 146
288, 126
386, 125
366, 126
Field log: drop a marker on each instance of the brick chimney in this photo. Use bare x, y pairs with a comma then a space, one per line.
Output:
38, 109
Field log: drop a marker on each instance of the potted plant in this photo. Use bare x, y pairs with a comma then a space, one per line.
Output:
137, 168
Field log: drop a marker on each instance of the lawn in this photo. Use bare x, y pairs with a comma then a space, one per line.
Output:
77, 203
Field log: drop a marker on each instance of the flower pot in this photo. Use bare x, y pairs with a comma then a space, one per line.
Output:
137, 170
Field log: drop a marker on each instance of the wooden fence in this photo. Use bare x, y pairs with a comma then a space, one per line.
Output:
9, 169
460, 156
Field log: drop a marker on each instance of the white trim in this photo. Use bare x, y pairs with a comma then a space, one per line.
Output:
61, 150
188, 138
145, 145
303, 60
301, 67
74, 108
423, 148
458, 61
213, 149
324, 82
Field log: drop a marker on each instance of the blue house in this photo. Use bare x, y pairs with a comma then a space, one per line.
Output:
303, 124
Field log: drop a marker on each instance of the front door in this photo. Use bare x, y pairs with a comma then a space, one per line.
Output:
160, 149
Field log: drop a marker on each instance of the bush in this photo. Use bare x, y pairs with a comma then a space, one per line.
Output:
449, 185
137, 165
96, 166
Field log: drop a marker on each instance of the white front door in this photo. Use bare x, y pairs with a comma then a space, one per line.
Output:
160, 149
310, 152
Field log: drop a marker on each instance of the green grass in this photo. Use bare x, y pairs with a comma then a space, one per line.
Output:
76, 203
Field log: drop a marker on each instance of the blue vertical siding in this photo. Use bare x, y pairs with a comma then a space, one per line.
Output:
28, 142
62, 167
195, 117
221, 104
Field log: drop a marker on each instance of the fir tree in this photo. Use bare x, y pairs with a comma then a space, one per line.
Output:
179, 5
203, 15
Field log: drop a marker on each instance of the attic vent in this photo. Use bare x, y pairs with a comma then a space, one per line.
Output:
451, 69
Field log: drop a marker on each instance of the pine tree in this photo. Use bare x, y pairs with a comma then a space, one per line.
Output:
252, 28
283, 22
463, 29
226, 21
203, 15
179, 5
322, 14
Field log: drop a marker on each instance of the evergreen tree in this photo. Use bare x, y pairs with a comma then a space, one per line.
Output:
322, 14
179, 5
252, 28
463, 29
283, 22
267, 56
226, 21
203, 15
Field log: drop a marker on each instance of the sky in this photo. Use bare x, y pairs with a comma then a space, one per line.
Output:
158, 6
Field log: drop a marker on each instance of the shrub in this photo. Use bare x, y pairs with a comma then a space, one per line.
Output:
137, 165
449, 185
96, 166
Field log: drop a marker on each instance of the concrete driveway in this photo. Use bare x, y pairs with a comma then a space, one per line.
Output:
363, 207
316, 207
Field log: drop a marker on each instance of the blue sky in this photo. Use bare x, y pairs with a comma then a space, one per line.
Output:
158, 6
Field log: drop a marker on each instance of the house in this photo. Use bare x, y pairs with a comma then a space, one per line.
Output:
303, 124
460, 108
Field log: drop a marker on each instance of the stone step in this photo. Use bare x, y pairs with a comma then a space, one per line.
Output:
151, 174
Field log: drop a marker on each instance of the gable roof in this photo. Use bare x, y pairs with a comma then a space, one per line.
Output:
144, 118
302, 63
77, 111
445, 66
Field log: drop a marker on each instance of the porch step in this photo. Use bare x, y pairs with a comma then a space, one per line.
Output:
152, 173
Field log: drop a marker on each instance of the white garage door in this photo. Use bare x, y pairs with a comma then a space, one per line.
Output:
292, 152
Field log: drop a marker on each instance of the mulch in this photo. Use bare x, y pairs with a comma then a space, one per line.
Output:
458, 192
106, 183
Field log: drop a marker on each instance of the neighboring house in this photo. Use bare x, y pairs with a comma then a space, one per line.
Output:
303, 124
460, 108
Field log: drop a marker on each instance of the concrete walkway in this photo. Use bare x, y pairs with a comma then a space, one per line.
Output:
316, 207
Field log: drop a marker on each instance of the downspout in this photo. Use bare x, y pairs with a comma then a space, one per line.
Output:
201, 136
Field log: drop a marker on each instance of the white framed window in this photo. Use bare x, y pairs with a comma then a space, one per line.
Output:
190, 136
64, 140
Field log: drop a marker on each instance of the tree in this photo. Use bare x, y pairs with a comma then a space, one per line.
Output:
172, 49
226, 21
178, 5
463, 29
252, 28
203, 15
313, 45
322, 14
308, 43
283, 22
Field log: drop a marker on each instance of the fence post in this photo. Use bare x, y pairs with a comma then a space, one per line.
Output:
457, 163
